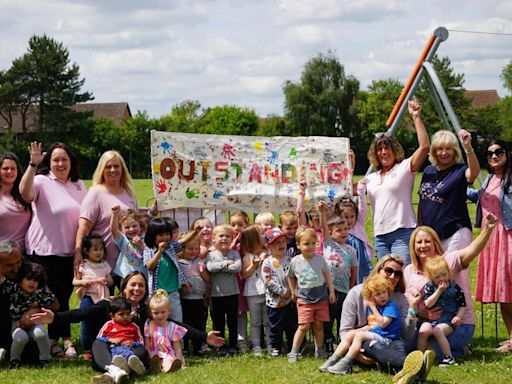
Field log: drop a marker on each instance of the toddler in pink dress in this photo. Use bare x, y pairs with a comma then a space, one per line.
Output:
162, 338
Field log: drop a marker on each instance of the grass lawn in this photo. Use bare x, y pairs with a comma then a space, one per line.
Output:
483, 366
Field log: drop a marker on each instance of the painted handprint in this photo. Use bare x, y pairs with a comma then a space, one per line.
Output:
331, 193
192, 193
218, 194
166, 146
162, 187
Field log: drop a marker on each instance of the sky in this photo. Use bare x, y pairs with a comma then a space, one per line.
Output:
156, 54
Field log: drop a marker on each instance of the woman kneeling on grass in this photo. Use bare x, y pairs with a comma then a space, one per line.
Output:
134, 288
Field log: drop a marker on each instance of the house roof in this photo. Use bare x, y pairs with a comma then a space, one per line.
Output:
117, 112
482, 98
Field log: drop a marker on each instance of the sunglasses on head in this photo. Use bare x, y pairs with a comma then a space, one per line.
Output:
380, 135
390, 271
498, 152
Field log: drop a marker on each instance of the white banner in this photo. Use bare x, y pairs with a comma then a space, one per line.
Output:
247, 172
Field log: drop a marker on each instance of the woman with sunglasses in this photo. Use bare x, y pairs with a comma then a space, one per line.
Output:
390, 188
442, 191
493, 279
425, 244
391, 356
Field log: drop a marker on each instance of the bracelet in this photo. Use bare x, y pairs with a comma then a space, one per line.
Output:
412, 312
301, 193
469, 152
31, 164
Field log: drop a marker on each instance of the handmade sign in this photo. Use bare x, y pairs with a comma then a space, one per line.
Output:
247, 172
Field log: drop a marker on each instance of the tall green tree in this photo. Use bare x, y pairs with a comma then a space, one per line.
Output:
320, 103
44, 77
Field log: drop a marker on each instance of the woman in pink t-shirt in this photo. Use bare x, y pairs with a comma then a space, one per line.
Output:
390, 188
52, 186
111, 185
425, 243
15, 213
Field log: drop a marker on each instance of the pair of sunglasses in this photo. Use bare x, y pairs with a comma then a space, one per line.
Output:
390, 271
498, 152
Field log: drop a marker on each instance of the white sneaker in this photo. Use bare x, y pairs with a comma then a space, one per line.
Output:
120, 375
2, 354
137, 366
257, 351
120, 361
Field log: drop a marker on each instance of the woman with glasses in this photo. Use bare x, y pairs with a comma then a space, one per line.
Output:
390, 188
354, 315
494, 274
443, 187
425, 244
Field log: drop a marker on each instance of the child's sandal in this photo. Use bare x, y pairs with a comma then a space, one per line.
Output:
56, 351
70, 352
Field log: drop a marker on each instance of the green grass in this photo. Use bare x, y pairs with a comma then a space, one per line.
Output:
483, 366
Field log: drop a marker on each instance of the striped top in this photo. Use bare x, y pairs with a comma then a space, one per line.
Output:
161, 338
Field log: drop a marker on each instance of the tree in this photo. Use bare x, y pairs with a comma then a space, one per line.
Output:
319, 104
44, 77
184, 117
506, 76
228, 120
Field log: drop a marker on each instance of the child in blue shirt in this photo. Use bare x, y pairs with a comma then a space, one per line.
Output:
383, 326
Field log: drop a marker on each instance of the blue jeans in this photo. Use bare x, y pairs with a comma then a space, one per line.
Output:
396, 242
86, 337
176, 311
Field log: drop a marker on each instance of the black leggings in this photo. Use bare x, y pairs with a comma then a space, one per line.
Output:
60, 273
225, 310
193, 314
101, 356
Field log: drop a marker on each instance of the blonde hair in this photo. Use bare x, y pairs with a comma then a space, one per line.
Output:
436, 265
386, 140
288, 218
304, 231
265, 217
435, 240
374, 284
126, 179
223, 227
159, 297
444, 138
392, 257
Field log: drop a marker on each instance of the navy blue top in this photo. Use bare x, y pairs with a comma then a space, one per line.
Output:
443, 200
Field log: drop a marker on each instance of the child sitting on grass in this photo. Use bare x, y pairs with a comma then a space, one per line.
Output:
122, 335
311, 288
29, 293
162, 338
383, 326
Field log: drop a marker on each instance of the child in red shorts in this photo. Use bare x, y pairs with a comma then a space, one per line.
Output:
311, 287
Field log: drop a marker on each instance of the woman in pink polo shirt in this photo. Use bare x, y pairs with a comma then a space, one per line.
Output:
15, 213
390, 188
111, 185
424, 244
52, 186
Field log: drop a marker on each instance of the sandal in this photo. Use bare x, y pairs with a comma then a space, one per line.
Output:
505, 347
70, 352
56, 351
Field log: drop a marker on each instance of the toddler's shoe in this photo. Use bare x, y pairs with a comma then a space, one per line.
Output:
257, 352
14, 364
2, 354
329, 362
136, 365
120, 362
447, 361
293, 357
340, 368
